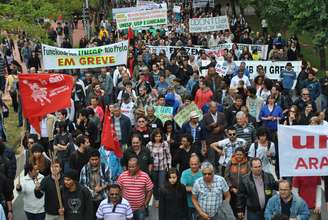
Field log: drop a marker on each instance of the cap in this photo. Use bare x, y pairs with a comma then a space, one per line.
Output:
193, 114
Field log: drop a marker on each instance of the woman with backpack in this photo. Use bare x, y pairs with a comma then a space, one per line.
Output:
263, 149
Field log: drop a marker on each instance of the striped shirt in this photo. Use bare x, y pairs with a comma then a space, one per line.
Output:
247, 133
123, 210
135, 188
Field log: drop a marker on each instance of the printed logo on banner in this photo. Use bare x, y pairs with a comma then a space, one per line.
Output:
303, 150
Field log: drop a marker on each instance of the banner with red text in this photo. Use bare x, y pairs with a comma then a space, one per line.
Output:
303, 150
55, 58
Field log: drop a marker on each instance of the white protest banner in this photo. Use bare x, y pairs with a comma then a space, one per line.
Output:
164, 113
55, 58
198, 25
169, 50
150, 4
141, 18
138, 8
216, 52
272, 69
184, 114
176, 9
303, 150
261, 49
202, 3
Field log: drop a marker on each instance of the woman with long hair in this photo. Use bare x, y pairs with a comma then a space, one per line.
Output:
170, 136
307, 114
173, 198
37, 158
292, 117
160, 152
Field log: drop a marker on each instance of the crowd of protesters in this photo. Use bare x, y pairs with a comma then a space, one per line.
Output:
222, 164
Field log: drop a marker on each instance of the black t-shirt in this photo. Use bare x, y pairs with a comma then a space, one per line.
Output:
285, 207
78, 204
78, 160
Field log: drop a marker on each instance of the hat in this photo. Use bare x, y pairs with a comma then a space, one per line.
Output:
279, 35
72, 174
193, 114
37, 148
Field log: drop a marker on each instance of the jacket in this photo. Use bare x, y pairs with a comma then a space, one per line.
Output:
235, 171
126, 130
212, 136
314, 88
298, 208
247, 194
173, 203
105, 178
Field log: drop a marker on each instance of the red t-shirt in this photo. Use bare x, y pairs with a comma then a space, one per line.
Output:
307, 188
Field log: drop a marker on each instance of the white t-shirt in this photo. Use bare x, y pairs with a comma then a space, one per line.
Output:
235, 81
229, 148
261, 153
128, 111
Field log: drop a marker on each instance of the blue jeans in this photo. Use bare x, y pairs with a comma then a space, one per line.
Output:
39, 216
158, 178
255, 215
324, 101
139, 214
191, 213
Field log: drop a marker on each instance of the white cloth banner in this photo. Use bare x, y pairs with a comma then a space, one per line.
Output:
272, 69
303, 150
216, 52
55, 58
138, 8
141, 18
202, 3
198, 25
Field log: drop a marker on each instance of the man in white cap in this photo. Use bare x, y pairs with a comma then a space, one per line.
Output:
196, 130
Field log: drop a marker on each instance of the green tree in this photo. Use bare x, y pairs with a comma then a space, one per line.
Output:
297, 16
18, 15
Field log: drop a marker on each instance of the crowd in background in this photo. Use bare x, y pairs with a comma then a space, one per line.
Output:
217, 165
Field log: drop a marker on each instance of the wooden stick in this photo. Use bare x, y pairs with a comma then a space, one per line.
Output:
52, 156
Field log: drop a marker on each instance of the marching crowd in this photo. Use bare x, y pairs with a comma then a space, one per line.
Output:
221, 163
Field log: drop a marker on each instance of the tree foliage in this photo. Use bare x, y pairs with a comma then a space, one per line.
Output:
18, 15
297, 16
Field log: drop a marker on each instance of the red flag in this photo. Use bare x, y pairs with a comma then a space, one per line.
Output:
42, 94
108, 137
130, 34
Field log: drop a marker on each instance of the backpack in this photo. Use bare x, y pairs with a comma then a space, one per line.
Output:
256, 146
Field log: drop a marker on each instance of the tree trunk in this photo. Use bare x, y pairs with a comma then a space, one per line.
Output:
233, 6
322, 55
